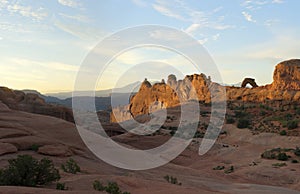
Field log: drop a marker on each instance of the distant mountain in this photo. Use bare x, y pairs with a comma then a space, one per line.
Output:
131, 88
48, 99
103, 100
101, 103
233, 85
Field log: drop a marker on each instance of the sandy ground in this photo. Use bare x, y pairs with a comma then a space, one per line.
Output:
239, 148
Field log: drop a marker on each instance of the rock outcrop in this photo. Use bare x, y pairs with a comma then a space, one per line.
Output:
161, 95
287, 75
32, 103
285, 87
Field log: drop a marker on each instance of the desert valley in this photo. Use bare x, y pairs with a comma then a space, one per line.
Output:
257, 151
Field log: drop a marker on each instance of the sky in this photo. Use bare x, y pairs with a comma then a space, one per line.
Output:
44, 42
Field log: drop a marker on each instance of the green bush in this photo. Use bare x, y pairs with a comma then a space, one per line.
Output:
34, 147
295, 161
269, 155
282, 157
28, 171
111, 188
172, 180
219, 168
71, 167
276, 165
229, 170
199, 134
61, 186
98, 186
297, 151
292, 124
263, 113
240, 114
283, 132
243, 123
230, 120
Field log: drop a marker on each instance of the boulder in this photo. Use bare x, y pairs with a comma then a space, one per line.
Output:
55, 150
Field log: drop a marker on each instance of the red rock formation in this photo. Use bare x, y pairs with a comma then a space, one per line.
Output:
287, 75
32, 103
250, 81
285, 87
150, 97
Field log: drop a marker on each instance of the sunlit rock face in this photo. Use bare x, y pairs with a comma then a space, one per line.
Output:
287, 75
285, 87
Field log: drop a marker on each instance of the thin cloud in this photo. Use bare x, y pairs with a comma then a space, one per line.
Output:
3, 3
69, 3
79, 31
27, 11
79, 18
258, 4
278, 1
198, 19
58, 66
216, 37
167, 12
139, 3
248, 17
192, 28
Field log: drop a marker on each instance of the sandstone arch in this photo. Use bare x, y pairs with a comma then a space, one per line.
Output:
250, 81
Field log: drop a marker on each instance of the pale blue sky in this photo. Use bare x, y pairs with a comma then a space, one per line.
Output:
43, 42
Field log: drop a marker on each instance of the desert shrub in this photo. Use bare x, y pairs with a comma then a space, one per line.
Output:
34, 147
292, 124
297, 151
98, 186
298, 111
283, 132
172, 133
61, 186
28, 171
243, 123
282, 156
288, 116
240, 114
219, 168
230, 120
111, 188
229, 170
71, 167
262, 113
295, 161
279, 165
266, 107
172, 180
199, 134
173, 128
268, 155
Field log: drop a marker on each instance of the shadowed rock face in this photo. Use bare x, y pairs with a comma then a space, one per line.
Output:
285, 87
250, 81
32, 103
